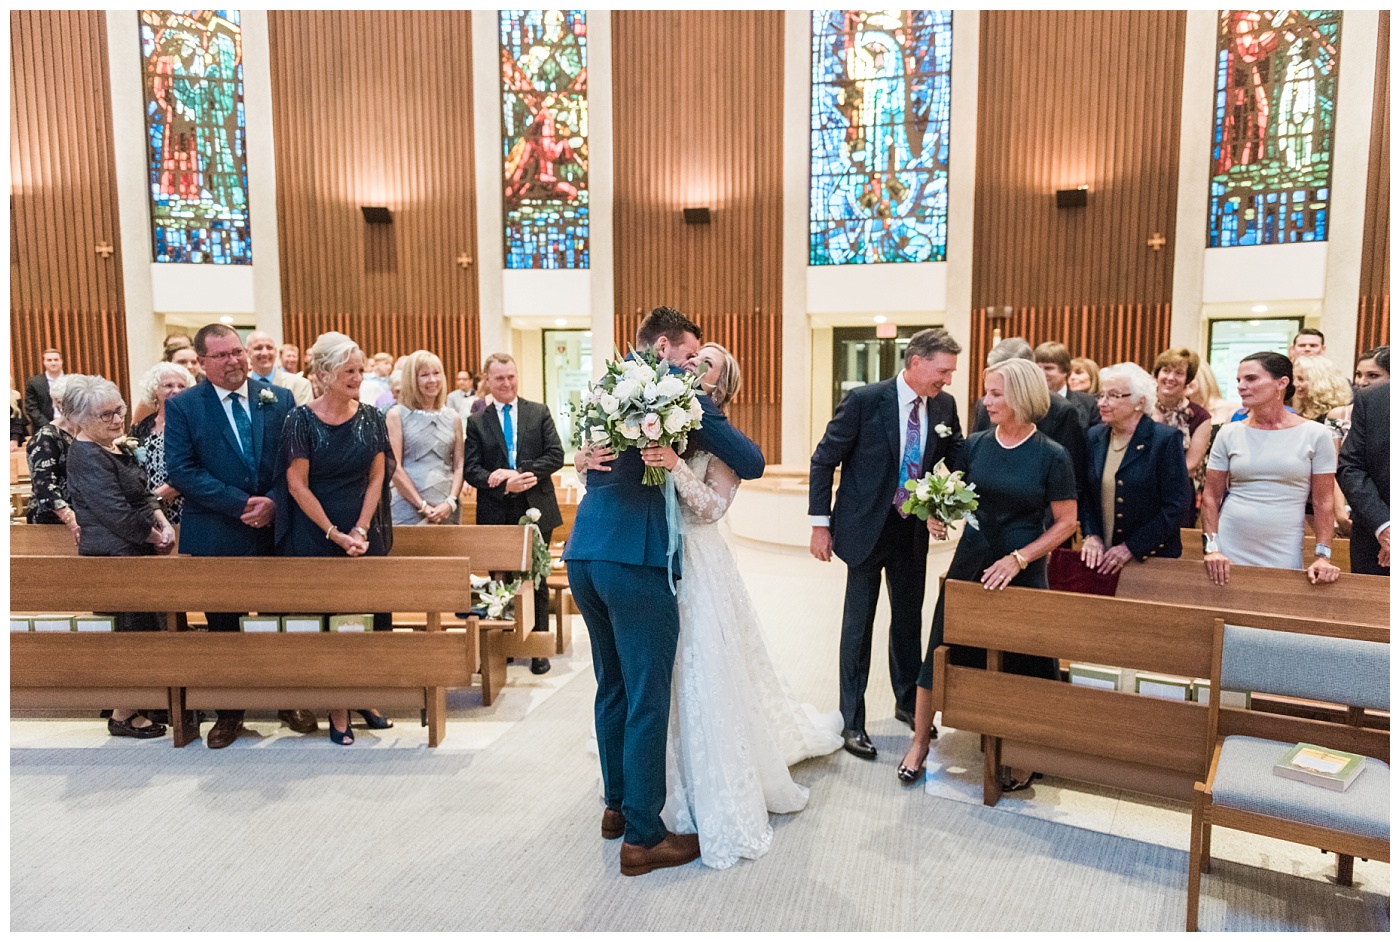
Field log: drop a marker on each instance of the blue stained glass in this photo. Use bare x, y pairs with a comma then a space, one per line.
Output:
192, 64
881, 113
544, 113
1276, 86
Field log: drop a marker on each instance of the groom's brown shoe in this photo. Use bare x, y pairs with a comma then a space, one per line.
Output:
673, 851
613, 824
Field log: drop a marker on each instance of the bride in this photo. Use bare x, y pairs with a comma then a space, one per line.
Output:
735, 725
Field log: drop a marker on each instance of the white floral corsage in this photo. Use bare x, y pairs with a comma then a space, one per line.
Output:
942, 430
130, 446
266, 397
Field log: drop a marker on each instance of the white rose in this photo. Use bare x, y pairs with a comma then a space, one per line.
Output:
942, 430
649, 392
627, 389
651, 426
922, 491
645, 374
696, 411
670, 387
599, 435
630, 431
676, 419
534, 514
608, 403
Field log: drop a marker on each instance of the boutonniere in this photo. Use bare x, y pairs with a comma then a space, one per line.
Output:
942, 430
130, 447
266, 397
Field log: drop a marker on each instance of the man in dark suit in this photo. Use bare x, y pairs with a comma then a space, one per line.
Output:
511, 451
882, 435
622, 573
1054, 360
222, 445
38, 404
1363, 471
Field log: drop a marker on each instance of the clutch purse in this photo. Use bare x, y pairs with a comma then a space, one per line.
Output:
1066, 572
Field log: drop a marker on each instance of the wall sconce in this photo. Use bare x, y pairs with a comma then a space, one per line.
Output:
377, 215
696, 215
1079, 196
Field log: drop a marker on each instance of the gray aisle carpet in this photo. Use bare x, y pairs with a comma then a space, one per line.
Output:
303, 838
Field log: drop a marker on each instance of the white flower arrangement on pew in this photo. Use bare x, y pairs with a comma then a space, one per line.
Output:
540, 561
496, 597
638, 402
942, 495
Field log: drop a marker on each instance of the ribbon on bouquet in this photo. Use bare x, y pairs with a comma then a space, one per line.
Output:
673, 526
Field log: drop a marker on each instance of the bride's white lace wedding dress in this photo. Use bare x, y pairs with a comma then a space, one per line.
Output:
735, 725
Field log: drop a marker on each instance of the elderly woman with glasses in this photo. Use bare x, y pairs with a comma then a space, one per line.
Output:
48, 465
119, 516
1137, 483
160, 383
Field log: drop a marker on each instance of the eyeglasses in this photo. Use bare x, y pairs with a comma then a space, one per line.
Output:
226, 355
110, 414
1109, 397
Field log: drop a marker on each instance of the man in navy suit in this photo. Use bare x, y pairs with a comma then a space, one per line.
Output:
619, 554
882, 435
1363, 471
222, 444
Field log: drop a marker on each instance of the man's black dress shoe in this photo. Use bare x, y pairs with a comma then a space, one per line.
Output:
539, 665
907, 718
299, 721
858, 744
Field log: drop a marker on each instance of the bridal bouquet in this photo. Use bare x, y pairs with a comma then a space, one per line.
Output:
640, 402
942, 495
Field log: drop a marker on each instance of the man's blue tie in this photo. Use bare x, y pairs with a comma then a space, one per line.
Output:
245, 428
510, 438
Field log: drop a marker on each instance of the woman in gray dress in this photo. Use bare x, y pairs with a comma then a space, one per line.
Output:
1270, 463
427, 441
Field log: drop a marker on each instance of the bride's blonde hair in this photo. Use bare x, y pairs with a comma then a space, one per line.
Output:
729, 380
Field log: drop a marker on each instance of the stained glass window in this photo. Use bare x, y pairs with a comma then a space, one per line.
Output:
544, 140
1275, 95
881, 100
193, 61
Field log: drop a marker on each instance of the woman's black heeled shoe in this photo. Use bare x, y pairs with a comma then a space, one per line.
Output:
374, 720
1009, 784
345, 737
909, 776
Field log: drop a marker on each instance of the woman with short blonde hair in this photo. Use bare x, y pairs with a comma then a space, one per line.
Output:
1084, 376
1319, 387
428, 444
1025, 389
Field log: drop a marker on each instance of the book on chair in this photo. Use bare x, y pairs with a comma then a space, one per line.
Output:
1330, 768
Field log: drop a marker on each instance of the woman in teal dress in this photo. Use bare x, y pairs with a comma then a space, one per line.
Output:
338, 464
1020, 473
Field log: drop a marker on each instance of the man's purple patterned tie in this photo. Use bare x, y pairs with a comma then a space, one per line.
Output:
909, 467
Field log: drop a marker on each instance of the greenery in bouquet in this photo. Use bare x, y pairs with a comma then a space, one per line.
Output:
942, 495
639, 402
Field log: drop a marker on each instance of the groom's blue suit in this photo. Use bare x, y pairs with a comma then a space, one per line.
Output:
617, 573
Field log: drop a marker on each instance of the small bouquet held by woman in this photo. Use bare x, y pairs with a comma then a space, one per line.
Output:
941, 495
640, 402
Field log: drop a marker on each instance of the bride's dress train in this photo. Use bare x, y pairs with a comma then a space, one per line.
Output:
735, 725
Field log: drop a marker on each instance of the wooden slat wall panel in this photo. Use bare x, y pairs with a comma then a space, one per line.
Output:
697, 103
63, 183
1068, 98
1373, 315
374, 108
1107, 334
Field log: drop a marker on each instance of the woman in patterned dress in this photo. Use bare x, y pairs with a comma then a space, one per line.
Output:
160, 383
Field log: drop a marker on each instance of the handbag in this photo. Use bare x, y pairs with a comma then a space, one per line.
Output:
1066, 572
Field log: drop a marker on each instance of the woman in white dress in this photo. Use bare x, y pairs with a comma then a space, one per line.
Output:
735, 724
1270, 463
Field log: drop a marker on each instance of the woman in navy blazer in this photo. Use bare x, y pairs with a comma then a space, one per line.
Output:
1135, 511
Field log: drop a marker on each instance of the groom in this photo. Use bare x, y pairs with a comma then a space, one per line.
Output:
617, 556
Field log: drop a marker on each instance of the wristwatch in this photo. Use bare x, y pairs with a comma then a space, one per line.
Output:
1209, 542
1324, 551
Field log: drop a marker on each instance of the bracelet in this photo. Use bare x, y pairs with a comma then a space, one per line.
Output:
329, 530
364, 534
1020, 560
423, 506
451, 499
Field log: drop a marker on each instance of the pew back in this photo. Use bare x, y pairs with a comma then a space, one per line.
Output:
1191, 547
